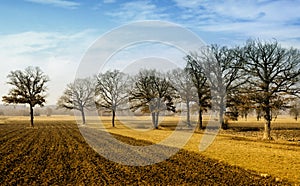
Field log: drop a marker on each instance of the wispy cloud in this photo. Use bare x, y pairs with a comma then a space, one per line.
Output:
230, 21
253, 18
138, 10
57, 3
58, 55
221, 10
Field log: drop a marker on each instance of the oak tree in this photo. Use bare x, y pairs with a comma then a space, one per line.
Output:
152, 93
29, 87
78, 95
195, 69
223, 70
274, 74
111, 91
184, 86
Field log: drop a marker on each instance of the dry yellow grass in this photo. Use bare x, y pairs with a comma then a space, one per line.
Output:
281, 160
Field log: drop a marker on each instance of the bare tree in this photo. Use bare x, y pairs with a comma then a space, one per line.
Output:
274, 72
224, 74
78, 95
182, 82
111, 91
295, 109
152, 93
195, 68
29, 87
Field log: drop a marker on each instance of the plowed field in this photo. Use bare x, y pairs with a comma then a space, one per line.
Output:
55, 153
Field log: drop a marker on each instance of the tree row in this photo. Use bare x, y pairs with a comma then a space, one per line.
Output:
260, 76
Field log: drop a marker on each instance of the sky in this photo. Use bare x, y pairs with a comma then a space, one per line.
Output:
56, 34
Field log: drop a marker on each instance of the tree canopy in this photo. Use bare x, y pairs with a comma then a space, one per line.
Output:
78, 95
111, 91
29, 87
153, 93
273, 74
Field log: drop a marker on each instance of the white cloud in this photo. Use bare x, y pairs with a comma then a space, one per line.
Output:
57, 54
138, 10
220, 9
250, 18
221, 20
57, 3
27, 42
193, 4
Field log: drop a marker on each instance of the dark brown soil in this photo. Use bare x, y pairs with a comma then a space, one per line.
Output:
55, 153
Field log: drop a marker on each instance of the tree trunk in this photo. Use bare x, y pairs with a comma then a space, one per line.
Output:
31, 116
153, 119
200, 123
268, 118
267, 132
224, 124
83, 116
188, 119
113, 118
156, 120
221, 115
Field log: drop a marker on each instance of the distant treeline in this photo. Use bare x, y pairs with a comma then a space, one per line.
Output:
22, 110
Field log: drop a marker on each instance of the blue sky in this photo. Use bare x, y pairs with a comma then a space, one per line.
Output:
54, 34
